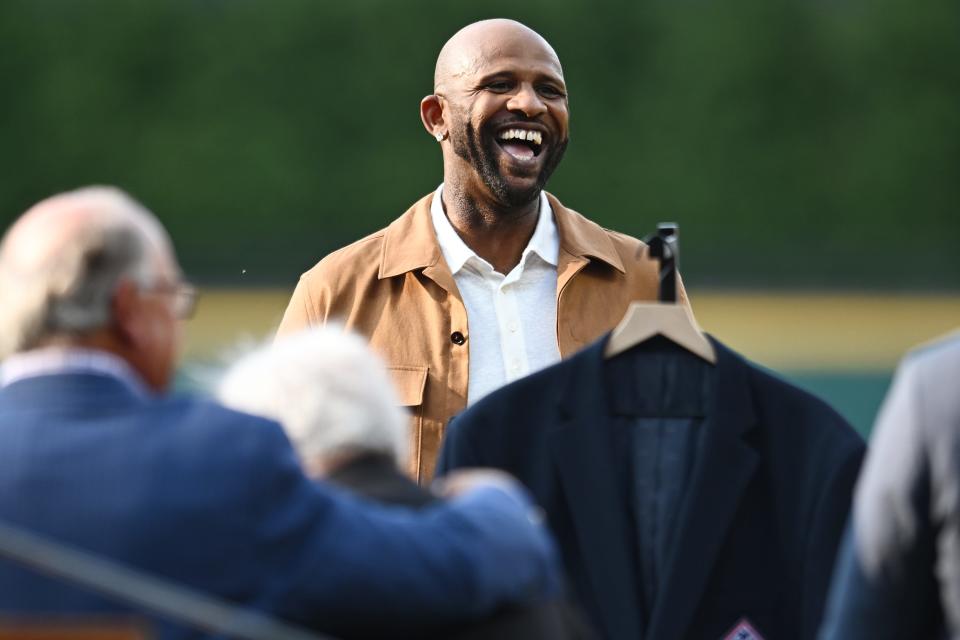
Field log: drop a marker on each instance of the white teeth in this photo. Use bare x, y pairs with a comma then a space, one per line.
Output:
522, 134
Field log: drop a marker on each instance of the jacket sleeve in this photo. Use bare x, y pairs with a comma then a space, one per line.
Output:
341, 558
883, 586
826, 531
301, 312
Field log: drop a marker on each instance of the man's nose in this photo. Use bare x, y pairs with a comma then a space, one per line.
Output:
527, 101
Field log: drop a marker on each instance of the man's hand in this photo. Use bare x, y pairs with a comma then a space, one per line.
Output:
464, 480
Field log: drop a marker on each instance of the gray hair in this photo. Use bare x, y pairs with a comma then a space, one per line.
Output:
332, 395
68, 288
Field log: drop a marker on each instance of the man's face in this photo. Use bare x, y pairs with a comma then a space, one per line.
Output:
509, 118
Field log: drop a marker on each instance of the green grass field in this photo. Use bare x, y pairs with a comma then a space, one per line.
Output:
841, 346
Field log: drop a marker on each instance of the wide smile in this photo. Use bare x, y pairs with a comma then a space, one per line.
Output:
522, 145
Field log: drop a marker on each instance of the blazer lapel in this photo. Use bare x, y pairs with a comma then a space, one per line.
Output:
582, 448
724, 467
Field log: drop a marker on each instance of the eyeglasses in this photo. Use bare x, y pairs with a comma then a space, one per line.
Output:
184, 296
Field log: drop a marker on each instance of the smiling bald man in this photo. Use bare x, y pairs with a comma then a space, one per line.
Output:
489, 278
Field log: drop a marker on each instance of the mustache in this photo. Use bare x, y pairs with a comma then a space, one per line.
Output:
506, 122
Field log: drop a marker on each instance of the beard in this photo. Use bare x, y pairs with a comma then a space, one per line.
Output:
480, 149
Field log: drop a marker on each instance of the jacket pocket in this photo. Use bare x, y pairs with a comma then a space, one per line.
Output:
410, 382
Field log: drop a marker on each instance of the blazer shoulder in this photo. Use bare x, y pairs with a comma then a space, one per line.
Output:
783, 403
213, 428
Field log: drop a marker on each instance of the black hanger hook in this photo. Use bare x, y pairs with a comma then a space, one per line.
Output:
665, 246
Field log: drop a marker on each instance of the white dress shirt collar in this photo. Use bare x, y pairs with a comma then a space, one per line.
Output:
544, 243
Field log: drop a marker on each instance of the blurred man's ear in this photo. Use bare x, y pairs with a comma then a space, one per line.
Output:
124, 309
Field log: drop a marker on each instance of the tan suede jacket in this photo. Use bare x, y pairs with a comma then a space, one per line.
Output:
395, 288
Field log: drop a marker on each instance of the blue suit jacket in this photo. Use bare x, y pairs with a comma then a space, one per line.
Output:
214, 499
759, 524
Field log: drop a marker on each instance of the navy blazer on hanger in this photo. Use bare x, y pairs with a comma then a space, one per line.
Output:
758, 526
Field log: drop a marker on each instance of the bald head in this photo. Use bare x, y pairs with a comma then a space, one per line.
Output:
478, 44
38, 240
61, 261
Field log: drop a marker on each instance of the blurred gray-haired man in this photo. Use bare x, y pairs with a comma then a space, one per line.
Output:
335, 399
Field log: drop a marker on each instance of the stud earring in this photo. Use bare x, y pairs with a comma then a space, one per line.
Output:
440, 137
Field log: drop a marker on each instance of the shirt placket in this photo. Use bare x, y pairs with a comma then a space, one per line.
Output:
513, 349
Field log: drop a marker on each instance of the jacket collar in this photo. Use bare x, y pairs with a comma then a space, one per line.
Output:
583, 238
63, 360
410, 241
732, 400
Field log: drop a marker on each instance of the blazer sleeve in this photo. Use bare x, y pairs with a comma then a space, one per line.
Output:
336, 558
883, 585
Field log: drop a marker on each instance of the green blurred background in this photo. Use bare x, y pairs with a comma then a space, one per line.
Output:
802, 145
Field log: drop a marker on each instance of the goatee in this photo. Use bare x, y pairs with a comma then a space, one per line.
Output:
481, 150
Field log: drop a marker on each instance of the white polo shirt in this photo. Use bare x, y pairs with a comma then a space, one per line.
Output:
512, 318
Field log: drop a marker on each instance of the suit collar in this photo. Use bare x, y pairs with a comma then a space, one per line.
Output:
410, 241
67, 390
724, 467
64, 360
732, 404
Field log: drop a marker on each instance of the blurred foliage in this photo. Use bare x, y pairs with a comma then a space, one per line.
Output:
797, 142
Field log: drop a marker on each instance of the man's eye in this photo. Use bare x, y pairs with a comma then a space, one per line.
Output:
499, 86
550, 91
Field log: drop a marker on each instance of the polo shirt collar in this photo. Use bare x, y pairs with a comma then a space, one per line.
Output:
544, 242
455, 250
410, 241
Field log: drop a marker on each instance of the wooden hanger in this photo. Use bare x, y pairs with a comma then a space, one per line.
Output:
673, 321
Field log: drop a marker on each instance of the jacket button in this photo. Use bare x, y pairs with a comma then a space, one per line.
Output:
457, 338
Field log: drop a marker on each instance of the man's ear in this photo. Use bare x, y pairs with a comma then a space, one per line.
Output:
124, 309
431, 114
